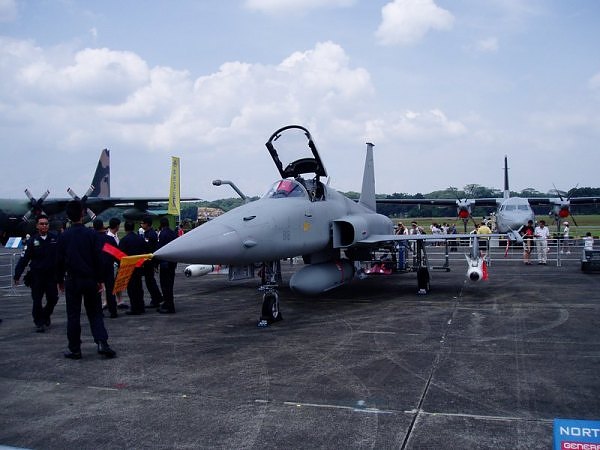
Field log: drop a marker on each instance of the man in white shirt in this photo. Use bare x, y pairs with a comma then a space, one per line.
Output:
565, 239
541, 235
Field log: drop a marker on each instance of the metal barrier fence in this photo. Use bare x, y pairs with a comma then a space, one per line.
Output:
559, 251
8, 262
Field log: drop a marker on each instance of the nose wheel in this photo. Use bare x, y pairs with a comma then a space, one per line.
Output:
270, 308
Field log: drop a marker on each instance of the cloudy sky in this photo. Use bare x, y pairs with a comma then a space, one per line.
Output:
443, 88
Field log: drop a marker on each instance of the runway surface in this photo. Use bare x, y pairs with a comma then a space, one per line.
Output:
372, 365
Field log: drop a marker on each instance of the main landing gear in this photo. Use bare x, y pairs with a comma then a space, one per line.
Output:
270, 279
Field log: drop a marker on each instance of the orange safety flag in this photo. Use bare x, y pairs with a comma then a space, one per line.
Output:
113, 251
126, 268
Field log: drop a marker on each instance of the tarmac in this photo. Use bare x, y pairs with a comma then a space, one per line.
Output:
370, 365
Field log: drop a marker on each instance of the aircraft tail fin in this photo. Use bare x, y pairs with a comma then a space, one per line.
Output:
367, 194
174, 189
101, 180
506, 189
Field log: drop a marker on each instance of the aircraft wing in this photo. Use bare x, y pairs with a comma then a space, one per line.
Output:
441, 201
382, 238
557, 201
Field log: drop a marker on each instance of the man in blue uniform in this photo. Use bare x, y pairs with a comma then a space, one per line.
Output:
167, 269
40, 254
151, 238
80, 274
134, 244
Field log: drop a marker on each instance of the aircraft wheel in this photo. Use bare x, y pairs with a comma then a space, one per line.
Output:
270, 307
423, 279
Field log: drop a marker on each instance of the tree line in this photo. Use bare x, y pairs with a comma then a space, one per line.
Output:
189, 210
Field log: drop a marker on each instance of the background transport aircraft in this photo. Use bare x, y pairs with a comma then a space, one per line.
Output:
336, 236
511, 212
17, 217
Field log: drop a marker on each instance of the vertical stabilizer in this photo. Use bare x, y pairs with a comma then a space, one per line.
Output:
101, 180
506, 189
367, 194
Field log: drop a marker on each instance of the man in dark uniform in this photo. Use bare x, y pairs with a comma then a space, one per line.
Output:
134, 244
167, 269
40, 254
80, 274
108, 264
151, 239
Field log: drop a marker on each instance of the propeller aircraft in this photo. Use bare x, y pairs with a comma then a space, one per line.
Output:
17, 217
511, 213
299, 215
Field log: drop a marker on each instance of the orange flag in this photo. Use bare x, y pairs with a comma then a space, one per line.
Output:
126, 268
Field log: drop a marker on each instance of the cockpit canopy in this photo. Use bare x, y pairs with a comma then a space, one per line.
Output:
293, 145
286, 189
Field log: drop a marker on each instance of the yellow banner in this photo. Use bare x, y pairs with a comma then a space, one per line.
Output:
174, 195
126, 268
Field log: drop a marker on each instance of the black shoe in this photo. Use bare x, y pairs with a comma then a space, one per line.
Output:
114, 315
122, 306
134, 313
40, 329
105, 350
72, 355
153, 305
164, 310
48, 322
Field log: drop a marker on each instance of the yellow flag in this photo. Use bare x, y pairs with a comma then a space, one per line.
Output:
126, 268
174, 196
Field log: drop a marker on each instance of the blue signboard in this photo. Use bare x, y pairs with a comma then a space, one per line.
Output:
576, 434
13, 242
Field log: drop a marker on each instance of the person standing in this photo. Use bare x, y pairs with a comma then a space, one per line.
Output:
134, 244
566, 243
40, 255
588, 242
541, 235
113, 230
149, 266
108, 266
80, 275
167, 269
527, 233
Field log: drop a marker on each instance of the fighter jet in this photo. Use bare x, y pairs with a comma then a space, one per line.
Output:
511, 213
299, 215
17, 217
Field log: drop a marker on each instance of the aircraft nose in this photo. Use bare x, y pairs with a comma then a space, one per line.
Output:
204, 245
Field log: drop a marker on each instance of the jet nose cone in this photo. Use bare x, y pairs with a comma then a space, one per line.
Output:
204, 245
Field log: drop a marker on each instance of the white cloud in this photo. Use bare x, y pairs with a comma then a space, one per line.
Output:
489, 45
8, 10
405, 22
104, 98
296, 6
594, 82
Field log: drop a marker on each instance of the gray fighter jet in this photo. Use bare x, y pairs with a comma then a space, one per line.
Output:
301, 216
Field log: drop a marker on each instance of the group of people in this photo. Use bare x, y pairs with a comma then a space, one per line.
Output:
539, 234
81, 261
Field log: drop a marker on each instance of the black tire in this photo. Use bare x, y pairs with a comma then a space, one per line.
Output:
270, 308
423, 278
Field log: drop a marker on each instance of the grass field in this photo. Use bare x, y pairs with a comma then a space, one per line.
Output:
586, 223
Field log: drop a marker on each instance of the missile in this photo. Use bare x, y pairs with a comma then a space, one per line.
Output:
315, 279
475, 269
197, 270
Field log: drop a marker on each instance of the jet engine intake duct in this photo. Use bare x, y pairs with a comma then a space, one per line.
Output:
316, 279
349, 230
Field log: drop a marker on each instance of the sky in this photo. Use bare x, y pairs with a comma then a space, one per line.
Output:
443, 88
